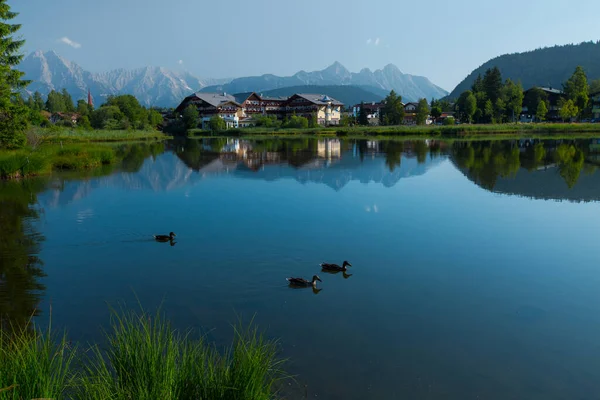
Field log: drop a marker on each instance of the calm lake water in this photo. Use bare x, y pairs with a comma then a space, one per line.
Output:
476, 267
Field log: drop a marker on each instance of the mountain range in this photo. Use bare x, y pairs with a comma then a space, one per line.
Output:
390, 77
160, 87
546, 67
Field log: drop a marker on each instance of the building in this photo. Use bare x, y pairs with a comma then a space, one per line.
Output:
373, 111
553, 98
325, 109
410, 113
240, 110
595, 99
211, 104
71, 118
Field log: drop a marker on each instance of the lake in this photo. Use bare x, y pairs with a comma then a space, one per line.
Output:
475, 265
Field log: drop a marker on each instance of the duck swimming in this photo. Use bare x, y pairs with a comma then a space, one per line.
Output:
335, 267
164, 238
303, 282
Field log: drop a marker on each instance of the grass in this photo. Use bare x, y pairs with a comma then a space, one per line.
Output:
145, 358
454, 131
35, 365
66, 135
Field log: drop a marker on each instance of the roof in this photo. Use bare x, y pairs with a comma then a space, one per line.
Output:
272, 98
547, 89
321, 99
242, 97
216, 99
412, 103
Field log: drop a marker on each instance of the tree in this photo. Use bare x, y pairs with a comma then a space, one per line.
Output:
576, 88
296, 122
83, 108
492, 84
422, 112
363, 115
55, 102
312, 121
436, 112
512, 96
392, 112
131, 108
38, 101
477, 86
488, 111
154, 118
532, 99
595, 86
190, 117
107, 117
13, 117
568, 110
542, 111
467, 105
68, 100
218, 124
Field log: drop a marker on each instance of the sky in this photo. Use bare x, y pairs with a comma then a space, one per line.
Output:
440, 39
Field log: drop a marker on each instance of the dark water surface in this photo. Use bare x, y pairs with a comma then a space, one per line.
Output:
476, 266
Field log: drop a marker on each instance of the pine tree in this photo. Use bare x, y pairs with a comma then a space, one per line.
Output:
13, 117
68, 101
363, 116
38, 100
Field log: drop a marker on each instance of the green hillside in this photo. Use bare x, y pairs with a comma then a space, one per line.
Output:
349, 95
548, 67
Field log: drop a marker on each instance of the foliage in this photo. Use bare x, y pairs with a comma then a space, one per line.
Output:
422, 112
568, 110
595, 86
295, 122
512, 97
217, 124
392, 112
449, 121
68, 100
576, 88
492, 84
541, 111
107, 117
533, 97
363, 115
13, 116
266, 121
83, 108
467, 106
155, 118
541, 67
436, 112
190, 117
130, 107
55, 102
312, 121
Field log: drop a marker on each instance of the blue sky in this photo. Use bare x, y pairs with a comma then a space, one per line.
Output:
440, 39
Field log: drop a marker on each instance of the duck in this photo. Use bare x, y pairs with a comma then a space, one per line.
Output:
165, 238
335, 267
303, 282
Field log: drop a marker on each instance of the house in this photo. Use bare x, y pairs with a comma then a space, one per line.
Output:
326, 110
553, 98
595, 100
211, 104
373, 111
64, 117
410, 113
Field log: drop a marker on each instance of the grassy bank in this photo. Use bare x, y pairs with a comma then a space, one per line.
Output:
65, 135
454, 131
145, 358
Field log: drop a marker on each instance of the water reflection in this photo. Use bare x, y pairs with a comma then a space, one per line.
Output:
20, 265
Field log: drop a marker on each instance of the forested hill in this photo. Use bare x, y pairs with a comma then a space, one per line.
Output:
349, 95
548, 67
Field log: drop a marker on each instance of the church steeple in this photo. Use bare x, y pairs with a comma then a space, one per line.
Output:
90, 101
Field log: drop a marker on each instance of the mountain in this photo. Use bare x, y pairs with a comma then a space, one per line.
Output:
153, 86
548, 67
390, 77
349, 95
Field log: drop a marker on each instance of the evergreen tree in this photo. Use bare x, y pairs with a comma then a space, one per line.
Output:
68, 101
422, 112
477, 85
83, 108
492, 84
467, 106
393, 110
38, 100
13, 117
363, 116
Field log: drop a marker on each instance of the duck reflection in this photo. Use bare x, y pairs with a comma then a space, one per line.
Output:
344, 273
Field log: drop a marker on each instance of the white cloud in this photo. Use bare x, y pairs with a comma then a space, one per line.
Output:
377, 42
70, 42
369, 41
180, 62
